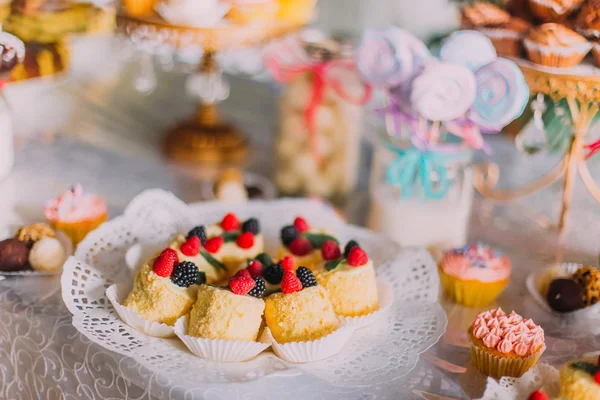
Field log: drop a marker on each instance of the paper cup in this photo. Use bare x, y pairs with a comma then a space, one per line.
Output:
303, 352
386, 298
498, 367
117, 294
217, 349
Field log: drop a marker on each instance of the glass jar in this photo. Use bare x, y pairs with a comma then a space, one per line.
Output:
434, 214
323, 162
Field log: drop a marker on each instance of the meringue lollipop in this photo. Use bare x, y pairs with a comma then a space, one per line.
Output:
471, 49
502, 95
443, 92
381, 62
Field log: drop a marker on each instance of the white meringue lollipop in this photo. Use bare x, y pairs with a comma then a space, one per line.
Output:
443, 92
471, 49
502, 95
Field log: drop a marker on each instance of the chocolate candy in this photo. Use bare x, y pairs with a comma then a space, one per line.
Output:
565, 295
14, 255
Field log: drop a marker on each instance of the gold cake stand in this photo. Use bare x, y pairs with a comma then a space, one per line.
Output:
204, 138
580, 87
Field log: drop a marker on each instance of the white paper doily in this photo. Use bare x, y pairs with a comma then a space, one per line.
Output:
384, 352
541, 376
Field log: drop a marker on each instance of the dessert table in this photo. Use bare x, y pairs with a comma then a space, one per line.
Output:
107, 145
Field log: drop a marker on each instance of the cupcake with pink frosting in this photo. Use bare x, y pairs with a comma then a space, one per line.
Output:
505, 345
474, 275
76, 213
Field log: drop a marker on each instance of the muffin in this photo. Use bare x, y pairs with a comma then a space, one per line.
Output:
520, 9
505, 345
76, 213
164, 289
554, 10
252, 11
300, 313
554, 45
507, 38
350, 281
588, 20
580, 380
228, 313
474, 275
303, 243
481, 14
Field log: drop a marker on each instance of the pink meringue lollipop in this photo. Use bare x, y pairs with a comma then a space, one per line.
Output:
502, 95
470, 49
443, 92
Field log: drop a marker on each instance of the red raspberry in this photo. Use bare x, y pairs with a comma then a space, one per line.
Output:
287, 263
290, 283
191, 247
255, 268
165, 262
242, 282
538, 395
597, 377
357, 257
330, 250
230, 222
301, 224
300, 247
214, 244
245, 240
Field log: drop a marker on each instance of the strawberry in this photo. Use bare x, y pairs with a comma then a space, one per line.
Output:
330, 250
191, 247
165, 262
287, 263
301, 224
242, 282
538, 395
357, 257
245, 240
230, 222
255, 268
214, 244
597, 377
300, 247
290, 283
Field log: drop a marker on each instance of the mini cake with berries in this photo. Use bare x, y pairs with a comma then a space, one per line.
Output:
272, 271
232, 313
349, 278
165, 288
580, 380
303, 243
219, 249
302, 311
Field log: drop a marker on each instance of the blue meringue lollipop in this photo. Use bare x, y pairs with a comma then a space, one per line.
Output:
470, 49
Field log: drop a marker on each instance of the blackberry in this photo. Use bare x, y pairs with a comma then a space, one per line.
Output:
349, 246
274, 274
201, 278
251, 225
260, 288
288, 234
306, 277
185, 274
199, 231
264, 259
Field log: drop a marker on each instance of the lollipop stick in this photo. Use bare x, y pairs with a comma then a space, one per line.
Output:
434, 135
389, 119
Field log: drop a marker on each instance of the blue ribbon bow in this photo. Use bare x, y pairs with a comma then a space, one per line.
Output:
412, 165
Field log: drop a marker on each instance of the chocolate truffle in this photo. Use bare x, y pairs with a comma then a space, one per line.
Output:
14, 255
565, 295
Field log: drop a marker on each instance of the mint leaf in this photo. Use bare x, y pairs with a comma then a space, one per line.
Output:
317, 239
329, 265
264, 259
213, 261
586, 366
230, 236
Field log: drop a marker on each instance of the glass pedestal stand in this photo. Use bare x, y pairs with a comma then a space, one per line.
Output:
579, 87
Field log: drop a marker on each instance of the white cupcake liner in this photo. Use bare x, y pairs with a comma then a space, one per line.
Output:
117, 294
217, 349
386, 298
570, 269
303, 352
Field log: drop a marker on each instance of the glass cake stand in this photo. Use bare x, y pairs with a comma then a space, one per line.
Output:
204, 137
